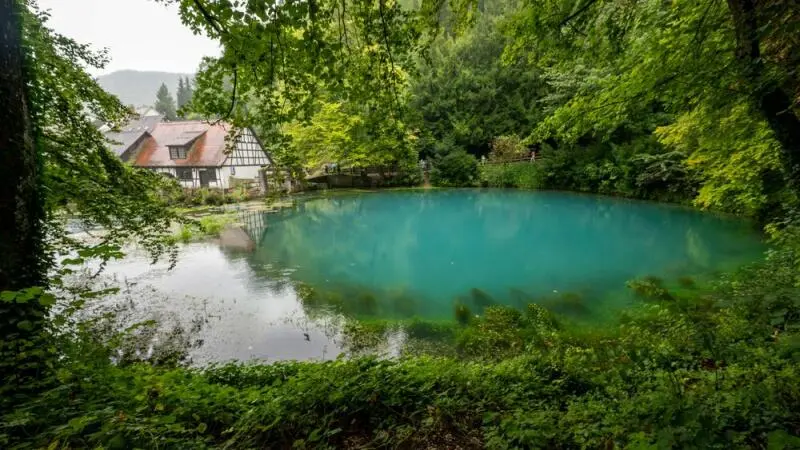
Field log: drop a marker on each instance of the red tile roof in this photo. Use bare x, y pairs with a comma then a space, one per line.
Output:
208, 150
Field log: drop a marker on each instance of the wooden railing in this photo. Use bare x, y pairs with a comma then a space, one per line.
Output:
526, 159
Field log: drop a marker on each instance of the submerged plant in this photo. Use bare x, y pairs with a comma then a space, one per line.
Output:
462, 313
367, 304
650, 288
687, 282
568, 304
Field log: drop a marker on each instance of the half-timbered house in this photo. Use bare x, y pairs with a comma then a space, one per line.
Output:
197, 154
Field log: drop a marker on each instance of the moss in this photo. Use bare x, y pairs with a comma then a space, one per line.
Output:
541, 318
650, 288
430, 330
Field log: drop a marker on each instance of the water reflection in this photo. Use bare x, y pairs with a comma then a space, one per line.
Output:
399, 255
433, 248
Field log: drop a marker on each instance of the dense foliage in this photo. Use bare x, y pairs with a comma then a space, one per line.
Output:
691, 101
77, 177
659, 176
673, 101
465, 94
686, 368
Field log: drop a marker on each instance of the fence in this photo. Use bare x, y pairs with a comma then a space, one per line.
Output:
525, 159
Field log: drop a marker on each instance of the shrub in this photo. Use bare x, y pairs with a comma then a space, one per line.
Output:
507, 148
521, 175
661, 176
409, 173
211, 197
456, 169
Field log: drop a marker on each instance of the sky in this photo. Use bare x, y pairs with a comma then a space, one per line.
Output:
140, 34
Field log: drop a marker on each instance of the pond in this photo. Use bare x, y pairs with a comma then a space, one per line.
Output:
403, 254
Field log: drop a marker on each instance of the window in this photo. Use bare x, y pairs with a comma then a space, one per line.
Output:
211, 174
177, 152
185, 174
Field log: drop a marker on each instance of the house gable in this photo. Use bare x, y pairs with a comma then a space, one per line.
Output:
248, 151
130, 153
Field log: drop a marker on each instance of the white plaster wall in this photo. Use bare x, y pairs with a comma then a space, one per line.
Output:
249, 172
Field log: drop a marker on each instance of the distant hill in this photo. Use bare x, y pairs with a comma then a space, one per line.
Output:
139, 88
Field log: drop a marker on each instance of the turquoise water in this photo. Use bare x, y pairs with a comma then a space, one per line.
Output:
302, 274
418, 253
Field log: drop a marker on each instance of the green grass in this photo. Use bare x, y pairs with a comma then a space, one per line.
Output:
203, 227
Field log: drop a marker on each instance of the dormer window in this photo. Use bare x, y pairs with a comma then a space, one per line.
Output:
181, 144
177, 152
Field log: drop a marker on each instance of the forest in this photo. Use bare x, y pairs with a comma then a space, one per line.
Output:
695, 102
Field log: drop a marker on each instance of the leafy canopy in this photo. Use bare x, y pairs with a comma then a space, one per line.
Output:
83, 180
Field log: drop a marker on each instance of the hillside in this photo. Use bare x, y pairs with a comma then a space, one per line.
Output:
139, 88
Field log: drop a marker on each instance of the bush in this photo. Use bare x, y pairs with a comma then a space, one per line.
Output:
507, 148
521, 175
408, 174
661, 176
455, 169
211, 197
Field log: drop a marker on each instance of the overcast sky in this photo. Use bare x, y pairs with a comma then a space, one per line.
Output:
140, 34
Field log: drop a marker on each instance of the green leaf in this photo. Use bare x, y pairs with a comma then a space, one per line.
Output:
781, 440
47, 299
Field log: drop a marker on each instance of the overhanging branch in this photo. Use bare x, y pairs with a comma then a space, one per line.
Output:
577, 13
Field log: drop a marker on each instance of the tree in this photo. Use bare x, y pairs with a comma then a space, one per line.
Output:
188, 91
765, 41
184, 92
278, 58
21, 206
165, 104
346, 134
57, 163
22, 214
464, 92
615, 66
181, 93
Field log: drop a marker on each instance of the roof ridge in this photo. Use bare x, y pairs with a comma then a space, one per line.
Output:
204, 122
181, 122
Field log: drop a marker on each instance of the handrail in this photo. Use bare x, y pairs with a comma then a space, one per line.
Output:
512, 161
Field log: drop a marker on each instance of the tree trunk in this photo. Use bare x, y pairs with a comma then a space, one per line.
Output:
21, 213
772, 101
21, 210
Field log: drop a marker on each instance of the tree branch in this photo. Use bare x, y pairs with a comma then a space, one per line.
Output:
388, 49
577, 13
212, 21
